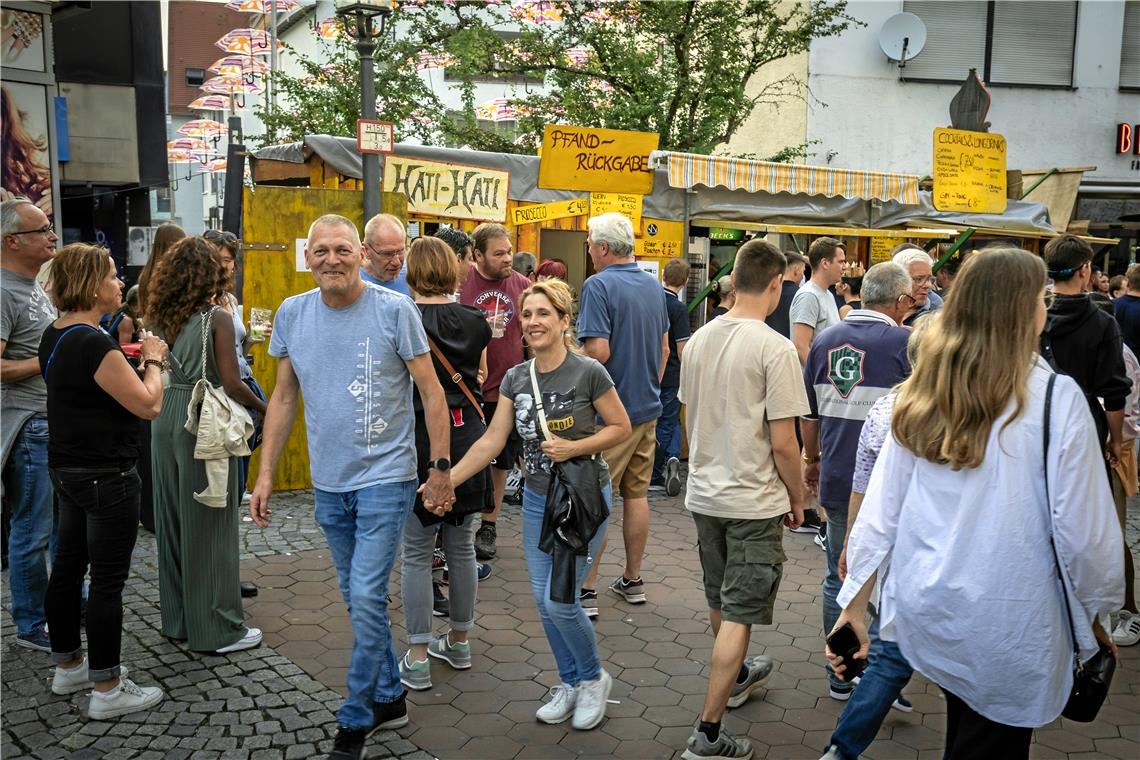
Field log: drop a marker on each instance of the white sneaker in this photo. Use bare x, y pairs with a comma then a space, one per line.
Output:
592, 696
1127, 630
251, 639
246, 497
70, 681
561, 705
128, 698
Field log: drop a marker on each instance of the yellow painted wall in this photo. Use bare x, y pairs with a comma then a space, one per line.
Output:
274, 218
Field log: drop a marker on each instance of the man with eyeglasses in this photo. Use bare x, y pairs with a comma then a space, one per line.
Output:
25, 312
920, 267
384, 246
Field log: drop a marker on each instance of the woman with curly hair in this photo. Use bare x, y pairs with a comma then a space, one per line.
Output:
197, 544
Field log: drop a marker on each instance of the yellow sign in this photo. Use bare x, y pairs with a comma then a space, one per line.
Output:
545, 212
969, 171
448, 190
623, 203
660, 238
881, 248
603, 160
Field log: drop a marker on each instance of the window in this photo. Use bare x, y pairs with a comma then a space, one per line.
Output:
1009, 42
1130, 47
195, 77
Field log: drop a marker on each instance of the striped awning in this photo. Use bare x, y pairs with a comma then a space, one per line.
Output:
689, 169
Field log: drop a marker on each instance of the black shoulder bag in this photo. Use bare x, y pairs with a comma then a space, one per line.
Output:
1090, 679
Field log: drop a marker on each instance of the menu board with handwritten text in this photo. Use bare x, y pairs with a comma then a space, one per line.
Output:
969, 171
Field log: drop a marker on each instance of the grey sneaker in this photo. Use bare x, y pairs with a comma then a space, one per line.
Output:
672, 476
128, 699
457, 655
70, 681
726, 747
415, 675
485, 541
759, 671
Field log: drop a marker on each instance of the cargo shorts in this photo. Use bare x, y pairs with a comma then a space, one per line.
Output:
743, 562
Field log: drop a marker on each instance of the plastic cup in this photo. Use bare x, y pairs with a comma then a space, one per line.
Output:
259, 320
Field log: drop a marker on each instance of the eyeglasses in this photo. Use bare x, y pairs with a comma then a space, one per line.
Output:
923, 280
47, 229
387, 255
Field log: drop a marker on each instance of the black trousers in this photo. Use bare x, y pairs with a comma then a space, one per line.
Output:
98, 524
969, 736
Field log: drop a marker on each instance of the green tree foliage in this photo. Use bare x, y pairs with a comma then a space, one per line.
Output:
681, 68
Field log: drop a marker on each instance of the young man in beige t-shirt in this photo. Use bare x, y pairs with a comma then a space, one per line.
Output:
742, 384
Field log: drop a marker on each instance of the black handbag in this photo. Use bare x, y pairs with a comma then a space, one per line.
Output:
1090, 679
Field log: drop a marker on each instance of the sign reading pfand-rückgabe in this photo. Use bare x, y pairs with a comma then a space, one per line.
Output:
448, 190
969, 171
597, 160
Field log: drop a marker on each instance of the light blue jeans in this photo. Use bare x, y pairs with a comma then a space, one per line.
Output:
363, 529
568, 628
29, 491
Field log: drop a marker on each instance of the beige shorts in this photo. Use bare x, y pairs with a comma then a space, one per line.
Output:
631, 461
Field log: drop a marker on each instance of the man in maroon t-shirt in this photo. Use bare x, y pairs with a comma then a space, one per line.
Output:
493, 286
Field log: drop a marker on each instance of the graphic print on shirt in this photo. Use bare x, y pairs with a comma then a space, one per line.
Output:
558, 408
845, 368
369, 424
40, 307
496, 306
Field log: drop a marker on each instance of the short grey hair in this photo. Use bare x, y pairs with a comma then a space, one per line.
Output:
334, 220
884, 284
10, 216
615, 230
908, 256
524, 263
390, 220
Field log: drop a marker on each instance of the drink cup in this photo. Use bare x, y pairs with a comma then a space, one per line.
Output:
259, 319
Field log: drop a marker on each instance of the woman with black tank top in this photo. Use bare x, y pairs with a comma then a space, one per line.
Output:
95, 400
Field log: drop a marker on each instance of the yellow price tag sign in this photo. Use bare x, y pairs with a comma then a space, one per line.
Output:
969, 171
622, 203
545, 212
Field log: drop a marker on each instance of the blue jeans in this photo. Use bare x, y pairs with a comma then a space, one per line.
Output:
882, 682
668, 432
363, 529
32, 537
568, 629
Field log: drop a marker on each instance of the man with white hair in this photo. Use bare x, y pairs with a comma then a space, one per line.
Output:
624, 324
25, 312
919, 266
850, 366
384, 247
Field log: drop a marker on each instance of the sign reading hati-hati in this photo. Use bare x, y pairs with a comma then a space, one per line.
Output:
969, 171
448, 190
596, 160
374, 136
545, 212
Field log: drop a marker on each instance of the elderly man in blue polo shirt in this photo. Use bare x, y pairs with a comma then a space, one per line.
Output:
624, 324
849, 367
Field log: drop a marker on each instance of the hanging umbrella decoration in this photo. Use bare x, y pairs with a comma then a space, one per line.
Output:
238, 65
426, 61
210, 103
577, 56
330, 29
264, 7
497, 110
230, 85
535, 12
216, 166
192, 145
203, 128
246, 42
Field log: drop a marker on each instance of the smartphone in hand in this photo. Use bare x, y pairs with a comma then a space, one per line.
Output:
845, 643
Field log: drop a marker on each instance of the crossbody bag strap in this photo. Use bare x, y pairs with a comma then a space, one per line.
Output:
58, 341
1049, 510
538, 400
207, 323
456, 378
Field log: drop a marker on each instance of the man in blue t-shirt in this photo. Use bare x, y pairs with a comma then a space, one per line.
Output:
354, 350
623, 323
384, 248
849, 367
1127, 309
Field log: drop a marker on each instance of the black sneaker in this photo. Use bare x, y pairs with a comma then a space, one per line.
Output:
672, 477
349, 744
388, 715
810, 524
485, 541
440, 607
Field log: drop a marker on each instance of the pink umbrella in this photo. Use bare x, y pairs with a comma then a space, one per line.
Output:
264, 7
215, 166
210, 103
193, 145
578, 56
229, 85
535, 12
497, 110
246, 41
329, 29
426, 61
204, 128
238, 65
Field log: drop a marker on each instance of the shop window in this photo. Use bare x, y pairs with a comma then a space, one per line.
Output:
1130, 47
195, 77
1009, 42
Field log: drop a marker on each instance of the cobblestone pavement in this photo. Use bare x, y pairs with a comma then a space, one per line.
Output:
278, 701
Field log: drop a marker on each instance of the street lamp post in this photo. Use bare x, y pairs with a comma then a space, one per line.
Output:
362, 14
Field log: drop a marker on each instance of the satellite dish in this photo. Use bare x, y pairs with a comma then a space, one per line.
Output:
902, 37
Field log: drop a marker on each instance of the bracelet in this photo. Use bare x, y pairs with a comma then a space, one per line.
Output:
810, 460
155, 362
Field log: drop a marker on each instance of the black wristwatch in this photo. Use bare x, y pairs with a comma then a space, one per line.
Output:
443, 465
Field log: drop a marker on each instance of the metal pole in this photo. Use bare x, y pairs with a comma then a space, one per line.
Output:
273, 55
371, 162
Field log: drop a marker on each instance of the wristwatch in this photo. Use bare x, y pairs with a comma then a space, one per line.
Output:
810, 460
443, 465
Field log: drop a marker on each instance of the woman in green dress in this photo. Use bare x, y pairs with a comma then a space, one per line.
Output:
197, 544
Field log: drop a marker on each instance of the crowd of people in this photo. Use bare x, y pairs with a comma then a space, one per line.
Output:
896, 416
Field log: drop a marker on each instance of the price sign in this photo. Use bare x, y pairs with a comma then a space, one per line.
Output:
969, 171
623, 203
374, 136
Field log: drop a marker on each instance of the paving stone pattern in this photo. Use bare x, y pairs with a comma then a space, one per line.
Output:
278, 701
